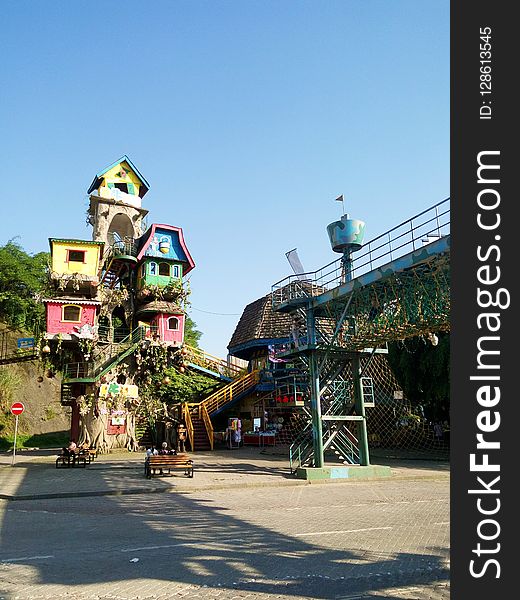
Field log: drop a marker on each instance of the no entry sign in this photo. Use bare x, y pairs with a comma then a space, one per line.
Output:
17, 408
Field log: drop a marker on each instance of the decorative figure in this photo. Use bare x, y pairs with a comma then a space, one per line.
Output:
164, 245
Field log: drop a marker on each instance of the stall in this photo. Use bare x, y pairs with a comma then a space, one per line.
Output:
259, 438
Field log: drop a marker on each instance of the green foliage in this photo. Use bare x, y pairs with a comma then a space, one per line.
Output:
182, 387
22, 276
56, 439
163, 378
9, 382
423, 371
191, 334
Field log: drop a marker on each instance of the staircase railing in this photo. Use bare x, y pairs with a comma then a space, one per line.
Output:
205, 360
301, 449
226, 394
428, 225
186, 417
104, 357
344, 445
207, 422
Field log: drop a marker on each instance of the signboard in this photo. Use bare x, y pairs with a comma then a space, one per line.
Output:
290, 399
17, 408
116, 389
25, 343
116, 423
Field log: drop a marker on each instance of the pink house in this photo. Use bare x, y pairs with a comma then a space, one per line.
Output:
165, 321
66, 316
170, 328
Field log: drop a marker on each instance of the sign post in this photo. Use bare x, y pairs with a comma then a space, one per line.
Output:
17, 409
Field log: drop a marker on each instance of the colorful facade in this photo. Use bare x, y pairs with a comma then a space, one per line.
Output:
71, 318
114, 294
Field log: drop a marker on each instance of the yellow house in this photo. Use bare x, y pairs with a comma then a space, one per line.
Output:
75, 263
120, 181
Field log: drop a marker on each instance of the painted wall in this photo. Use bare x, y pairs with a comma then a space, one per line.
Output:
148, 273
166, 244
169, 335
56, 325
61, 265
122, 173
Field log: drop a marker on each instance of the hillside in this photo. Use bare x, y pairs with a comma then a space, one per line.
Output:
40, 393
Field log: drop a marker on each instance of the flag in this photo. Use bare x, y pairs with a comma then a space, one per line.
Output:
339, 198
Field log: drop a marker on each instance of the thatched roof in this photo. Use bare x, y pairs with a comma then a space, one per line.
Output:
259, 325
160, 306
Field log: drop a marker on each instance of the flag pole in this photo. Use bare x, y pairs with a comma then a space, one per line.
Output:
342, 199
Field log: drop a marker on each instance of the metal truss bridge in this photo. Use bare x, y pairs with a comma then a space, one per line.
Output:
397, 286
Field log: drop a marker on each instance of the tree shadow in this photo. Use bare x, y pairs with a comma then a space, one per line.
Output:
183, 538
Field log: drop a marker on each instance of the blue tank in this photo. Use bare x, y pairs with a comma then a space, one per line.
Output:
347, 234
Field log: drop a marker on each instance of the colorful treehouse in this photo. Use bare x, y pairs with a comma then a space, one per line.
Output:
75, 265
71, 318
109, 300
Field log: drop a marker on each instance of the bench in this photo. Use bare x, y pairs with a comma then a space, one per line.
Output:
167, 462
90, 453
73, 459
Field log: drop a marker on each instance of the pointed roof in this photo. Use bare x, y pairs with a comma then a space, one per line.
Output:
259, 326
97, 179
145, 240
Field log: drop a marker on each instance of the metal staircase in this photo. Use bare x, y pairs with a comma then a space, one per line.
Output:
119, 260
103, 359
197, 416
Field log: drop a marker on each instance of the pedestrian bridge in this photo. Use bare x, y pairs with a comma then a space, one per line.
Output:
398, 286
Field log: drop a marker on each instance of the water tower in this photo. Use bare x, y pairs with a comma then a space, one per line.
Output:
346, 236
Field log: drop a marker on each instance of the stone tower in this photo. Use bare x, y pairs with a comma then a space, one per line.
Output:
115, 211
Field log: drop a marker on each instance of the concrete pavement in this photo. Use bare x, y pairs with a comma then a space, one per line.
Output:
34, 474
242, 528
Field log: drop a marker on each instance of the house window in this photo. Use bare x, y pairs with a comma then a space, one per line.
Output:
76, 256
176, 271
173, 324
164, 269
153, 268
71, 313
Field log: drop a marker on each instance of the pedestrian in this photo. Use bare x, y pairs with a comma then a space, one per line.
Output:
70, 450
181, 437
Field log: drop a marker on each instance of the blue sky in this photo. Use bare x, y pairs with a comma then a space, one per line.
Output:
247, 118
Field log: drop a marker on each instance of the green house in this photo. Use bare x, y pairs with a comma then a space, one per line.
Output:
158, 272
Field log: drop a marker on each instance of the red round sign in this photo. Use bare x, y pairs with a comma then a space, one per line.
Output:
17, 408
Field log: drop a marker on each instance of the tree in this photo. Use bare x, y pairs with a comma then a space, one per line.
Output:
423, 371
191, 334
22, 276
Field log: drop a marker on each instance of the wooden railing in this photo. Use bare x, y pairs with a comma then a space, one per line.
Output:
216, 400
213, 363
186, 417
207, 422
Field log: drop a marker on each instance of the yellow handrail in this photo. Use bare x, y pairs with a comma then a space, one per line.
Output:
208, 424
225, 394
189, 425
206, 360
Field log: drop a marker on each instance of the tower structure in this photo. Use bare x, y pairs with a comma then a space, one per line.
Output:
115, 197
111, 298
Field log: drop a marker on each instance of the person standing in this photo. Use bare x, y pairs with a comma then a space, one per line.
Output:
181, 437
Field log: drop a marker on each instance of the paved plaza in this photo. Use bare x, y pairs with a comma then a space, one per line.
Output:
243, 527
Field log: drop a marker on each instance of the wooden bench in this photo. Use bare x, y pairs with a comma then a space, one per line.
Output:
167, 462
73, 459
90, 453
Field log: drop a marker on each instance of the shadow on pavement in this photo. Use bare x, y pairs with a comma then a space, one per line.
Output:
184, 539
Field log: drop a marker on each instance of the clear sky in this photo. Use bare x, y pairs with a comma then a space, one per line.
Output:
246, 117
